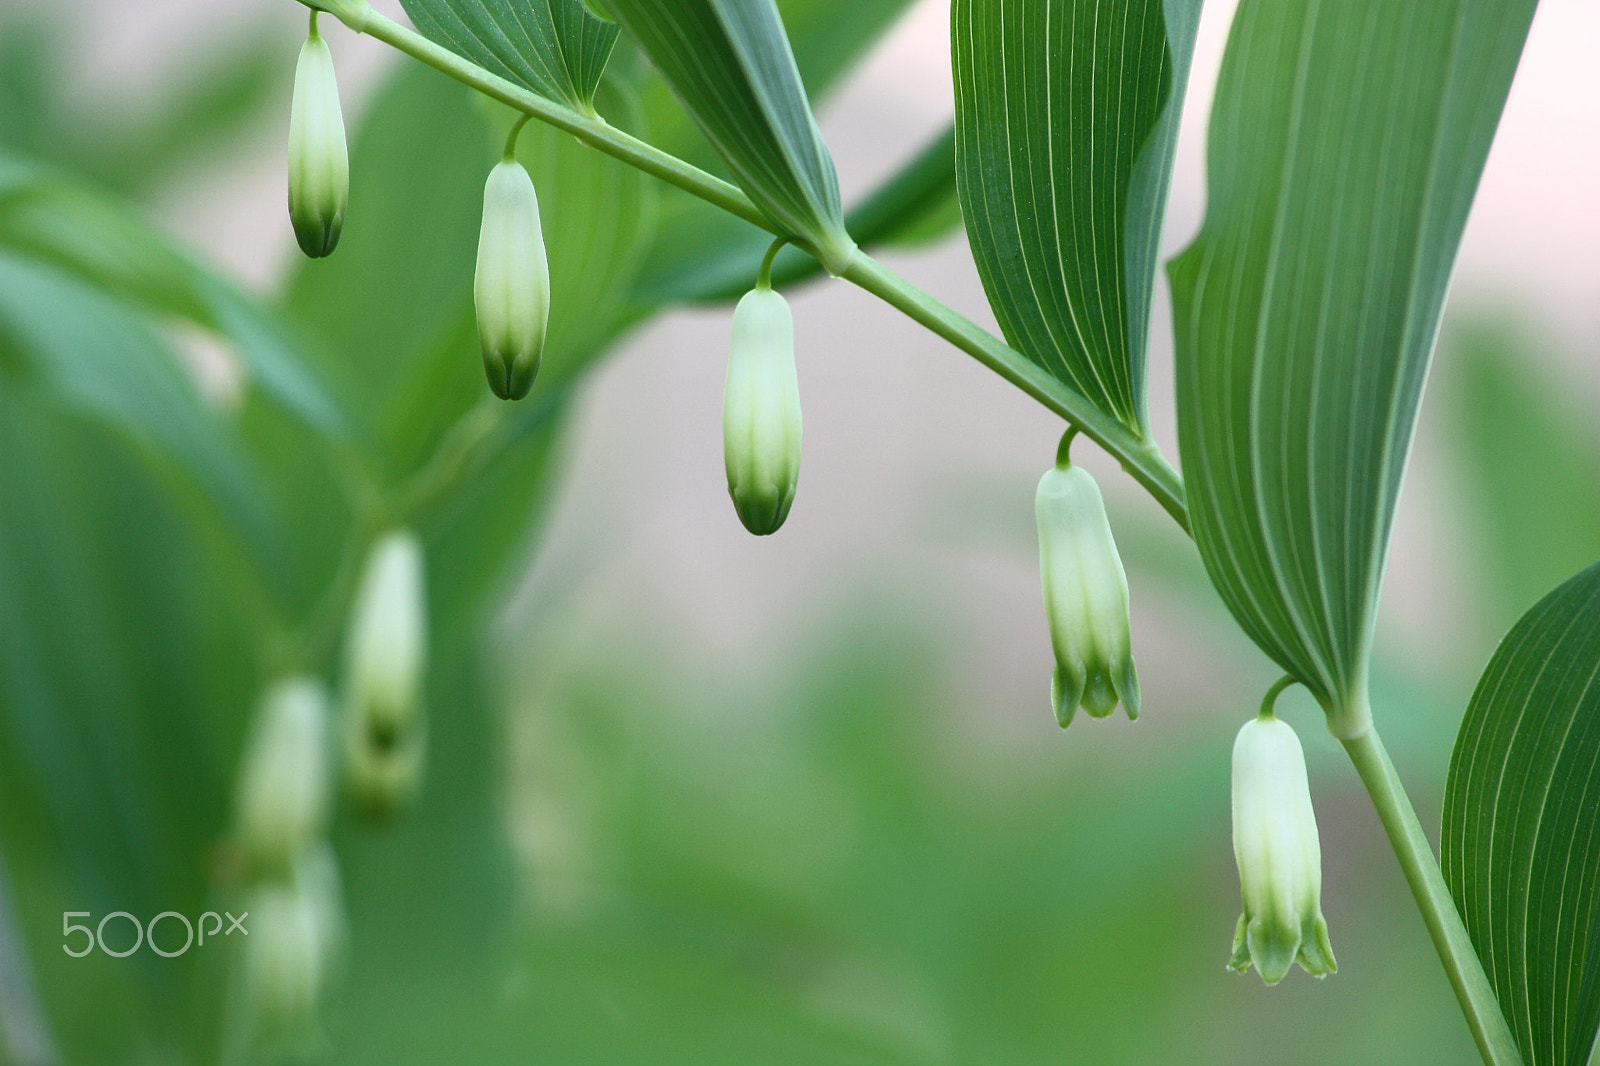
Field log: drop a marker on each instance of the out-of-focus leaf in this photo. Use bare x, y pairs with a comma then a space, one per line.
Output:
1066, 119
1521, 841
1526, 445
730, 65
52, 218
478, 534
122, 674
73, 347
554, 47
916, 203
1346, 142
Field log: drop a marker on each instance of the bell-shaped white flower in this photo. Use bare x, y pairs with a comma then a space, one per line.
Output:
283, 790
1280, 859
319, 162
1085, 598
512, 287
761, 412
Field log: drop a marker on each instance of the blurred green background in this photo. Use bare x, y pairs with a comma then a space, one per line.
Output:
690, 797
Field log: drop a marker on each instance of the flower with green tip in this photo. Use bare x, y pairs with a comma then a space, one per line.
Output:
511, 290
1280, 859
761, 412
1085, 598
319, 162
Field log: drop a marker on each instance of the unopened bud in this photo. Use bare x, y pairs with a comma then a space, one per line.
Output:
388, 638
1280, 859
512, 286
283, 782
319, 163
1085, 598
761, 412
294, 936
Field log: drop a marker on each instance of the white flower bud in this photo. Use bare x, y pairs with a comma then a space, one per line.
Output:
282, 802
1280, 859
1085, 598
294, 937
761, 412
512, 286
388, 637
319, 163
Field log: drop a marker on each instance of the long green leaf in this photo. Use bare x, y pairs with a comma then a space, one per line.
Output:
700, 252
915, 203
1346, 142
1521, 841
730, 64
1066, 118
554, 47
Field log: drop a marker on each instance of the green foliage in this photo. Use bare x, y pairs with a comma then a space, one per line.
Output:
1525, 438
1342, 163
554, 47
915, 204
730, 65
1066, 119
703, 253
1520, 844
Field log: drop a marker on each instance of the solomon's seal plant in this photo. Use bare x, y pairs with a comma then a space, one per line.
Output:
1344, 150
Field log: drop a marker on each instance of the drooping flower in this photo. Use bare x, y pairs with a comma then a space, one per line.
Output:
319, 162
761, 412
1085, 597
1280, 859
283, 789
388, 636
511, 290
384, 732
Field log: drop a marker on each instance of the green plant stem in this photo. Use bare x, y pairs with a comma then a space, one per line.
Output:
1439, 913
1139, 457
594, 132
